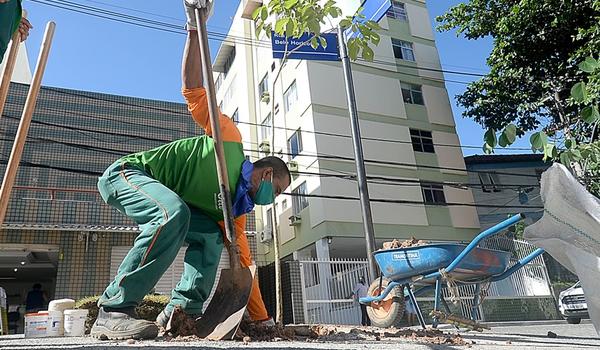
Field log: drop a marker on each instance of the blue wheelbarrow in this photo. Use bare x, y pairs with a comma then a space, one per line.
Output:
429, 267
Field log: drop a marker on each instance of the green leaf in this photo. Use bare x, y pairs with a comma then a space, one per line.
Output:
353, 49
323, 42
487, 149
375, 38
511, 133
549, 151
575, 155
503, 140
264, 13
289, 29
570, 143
290, 3
589, 65
314, 42
345, 23
539, 140
490, 138
579, 92
590, 114
565, 159
367, 53
256, 13
280, 25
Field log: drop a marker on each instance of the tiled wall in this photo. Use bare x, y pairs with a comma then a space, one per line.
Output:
79, 272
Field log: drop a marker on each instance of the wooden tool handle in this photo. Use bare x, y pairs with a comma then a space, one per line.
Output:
7, 73
209, 85
19, 144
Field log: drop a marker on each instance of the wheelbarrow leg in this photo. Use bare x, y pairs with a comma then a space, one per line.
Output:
475, 306
436, 300
413, 300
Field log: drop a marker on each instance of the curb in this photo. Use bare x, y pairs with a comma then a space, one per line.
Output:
531, 323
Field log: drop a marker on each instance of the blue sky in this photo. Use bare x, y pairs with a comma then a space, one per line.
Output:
95, 54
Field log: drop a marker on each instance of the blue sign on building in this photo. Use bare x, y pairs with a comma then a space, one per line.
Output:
300, 48
373, 10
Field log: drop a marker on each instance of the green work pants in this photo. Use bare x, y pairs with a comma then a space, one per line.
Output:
166, 223
10, 16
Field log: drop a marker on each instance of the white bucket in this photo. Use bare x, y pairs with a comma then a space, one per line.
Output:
36, 325
75, 322
61, 305
55, 323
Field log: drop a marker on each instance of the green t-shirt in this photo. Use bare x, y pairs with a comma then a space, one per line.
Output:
188, 168
10, 17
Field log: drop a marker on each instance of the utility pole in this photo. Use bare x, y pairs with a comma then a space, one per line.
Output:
363, 190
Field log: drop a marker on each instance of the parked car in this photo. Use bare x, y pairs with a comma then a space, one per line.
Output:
572, 304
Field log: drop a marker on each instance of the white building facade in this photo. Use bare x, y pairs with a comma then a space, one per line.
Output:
409, 138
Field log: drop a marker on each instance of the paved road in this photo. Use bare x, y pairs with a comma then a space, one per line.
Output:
518, 337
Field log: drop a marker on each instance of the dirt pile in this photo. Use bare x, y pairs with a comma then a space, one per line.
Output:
183, 329
413, 242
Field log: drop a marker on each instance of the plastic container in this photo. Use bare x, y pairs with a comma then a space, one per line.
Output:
61, 305
36, 325
75, 322
55, 323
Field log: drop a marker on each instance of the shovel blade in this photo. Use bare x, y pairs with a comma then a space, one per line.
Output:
226, 309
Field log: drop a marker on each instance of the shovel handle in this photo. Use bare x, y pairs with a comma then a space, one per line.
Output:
209, 85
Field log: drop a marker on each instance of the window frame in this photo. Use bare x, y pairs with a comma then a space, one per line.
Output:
433, 194
299, 203
419, 140
404, 47
286, 97
412, 90
398, 11
263, 86
298, 135
266, 127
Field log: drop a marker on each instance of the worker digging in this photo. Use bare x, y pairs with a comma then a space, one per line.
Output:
173, 193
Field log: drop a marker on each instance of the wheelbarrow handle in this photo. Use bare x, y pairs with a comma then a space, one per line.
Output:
526, 260
475, 242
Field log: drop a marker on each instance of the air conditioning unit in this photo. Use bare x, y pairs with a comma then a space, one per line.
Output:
265, 147
266, 97
295, 220
293, 166
266, 235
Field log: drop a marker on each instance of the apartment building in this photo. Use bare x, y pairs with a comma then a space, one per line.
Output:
409, 137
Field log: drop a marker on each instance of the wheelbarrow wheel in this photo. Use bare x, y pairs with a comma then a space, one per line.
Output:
389, 311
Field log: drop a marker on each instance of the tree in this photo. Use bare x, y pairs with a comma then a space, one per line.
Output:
543, 77
293, 19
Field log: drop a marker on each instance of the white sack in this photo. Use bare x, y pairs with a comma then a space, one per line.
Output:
570, 231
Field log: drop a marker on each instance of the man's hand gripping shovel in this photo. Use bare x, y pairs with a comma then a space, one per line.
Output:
226, 309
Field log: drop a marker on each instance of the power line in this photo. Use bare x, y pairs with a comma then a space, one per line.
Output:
243, 40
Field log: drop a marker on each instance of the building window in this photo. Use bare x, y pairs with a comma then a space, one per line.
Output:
299, 199
229, 94
398, 11
269, 219
290, 97
263, 86
265, 128
235, 116
433, 194
295, 144
412, 94
284, 204
489, 182
403, 50
218, 82
422, 141
229, 61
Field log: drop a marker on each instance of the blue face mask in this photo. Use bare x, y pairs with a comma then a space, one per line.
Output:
264, 193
